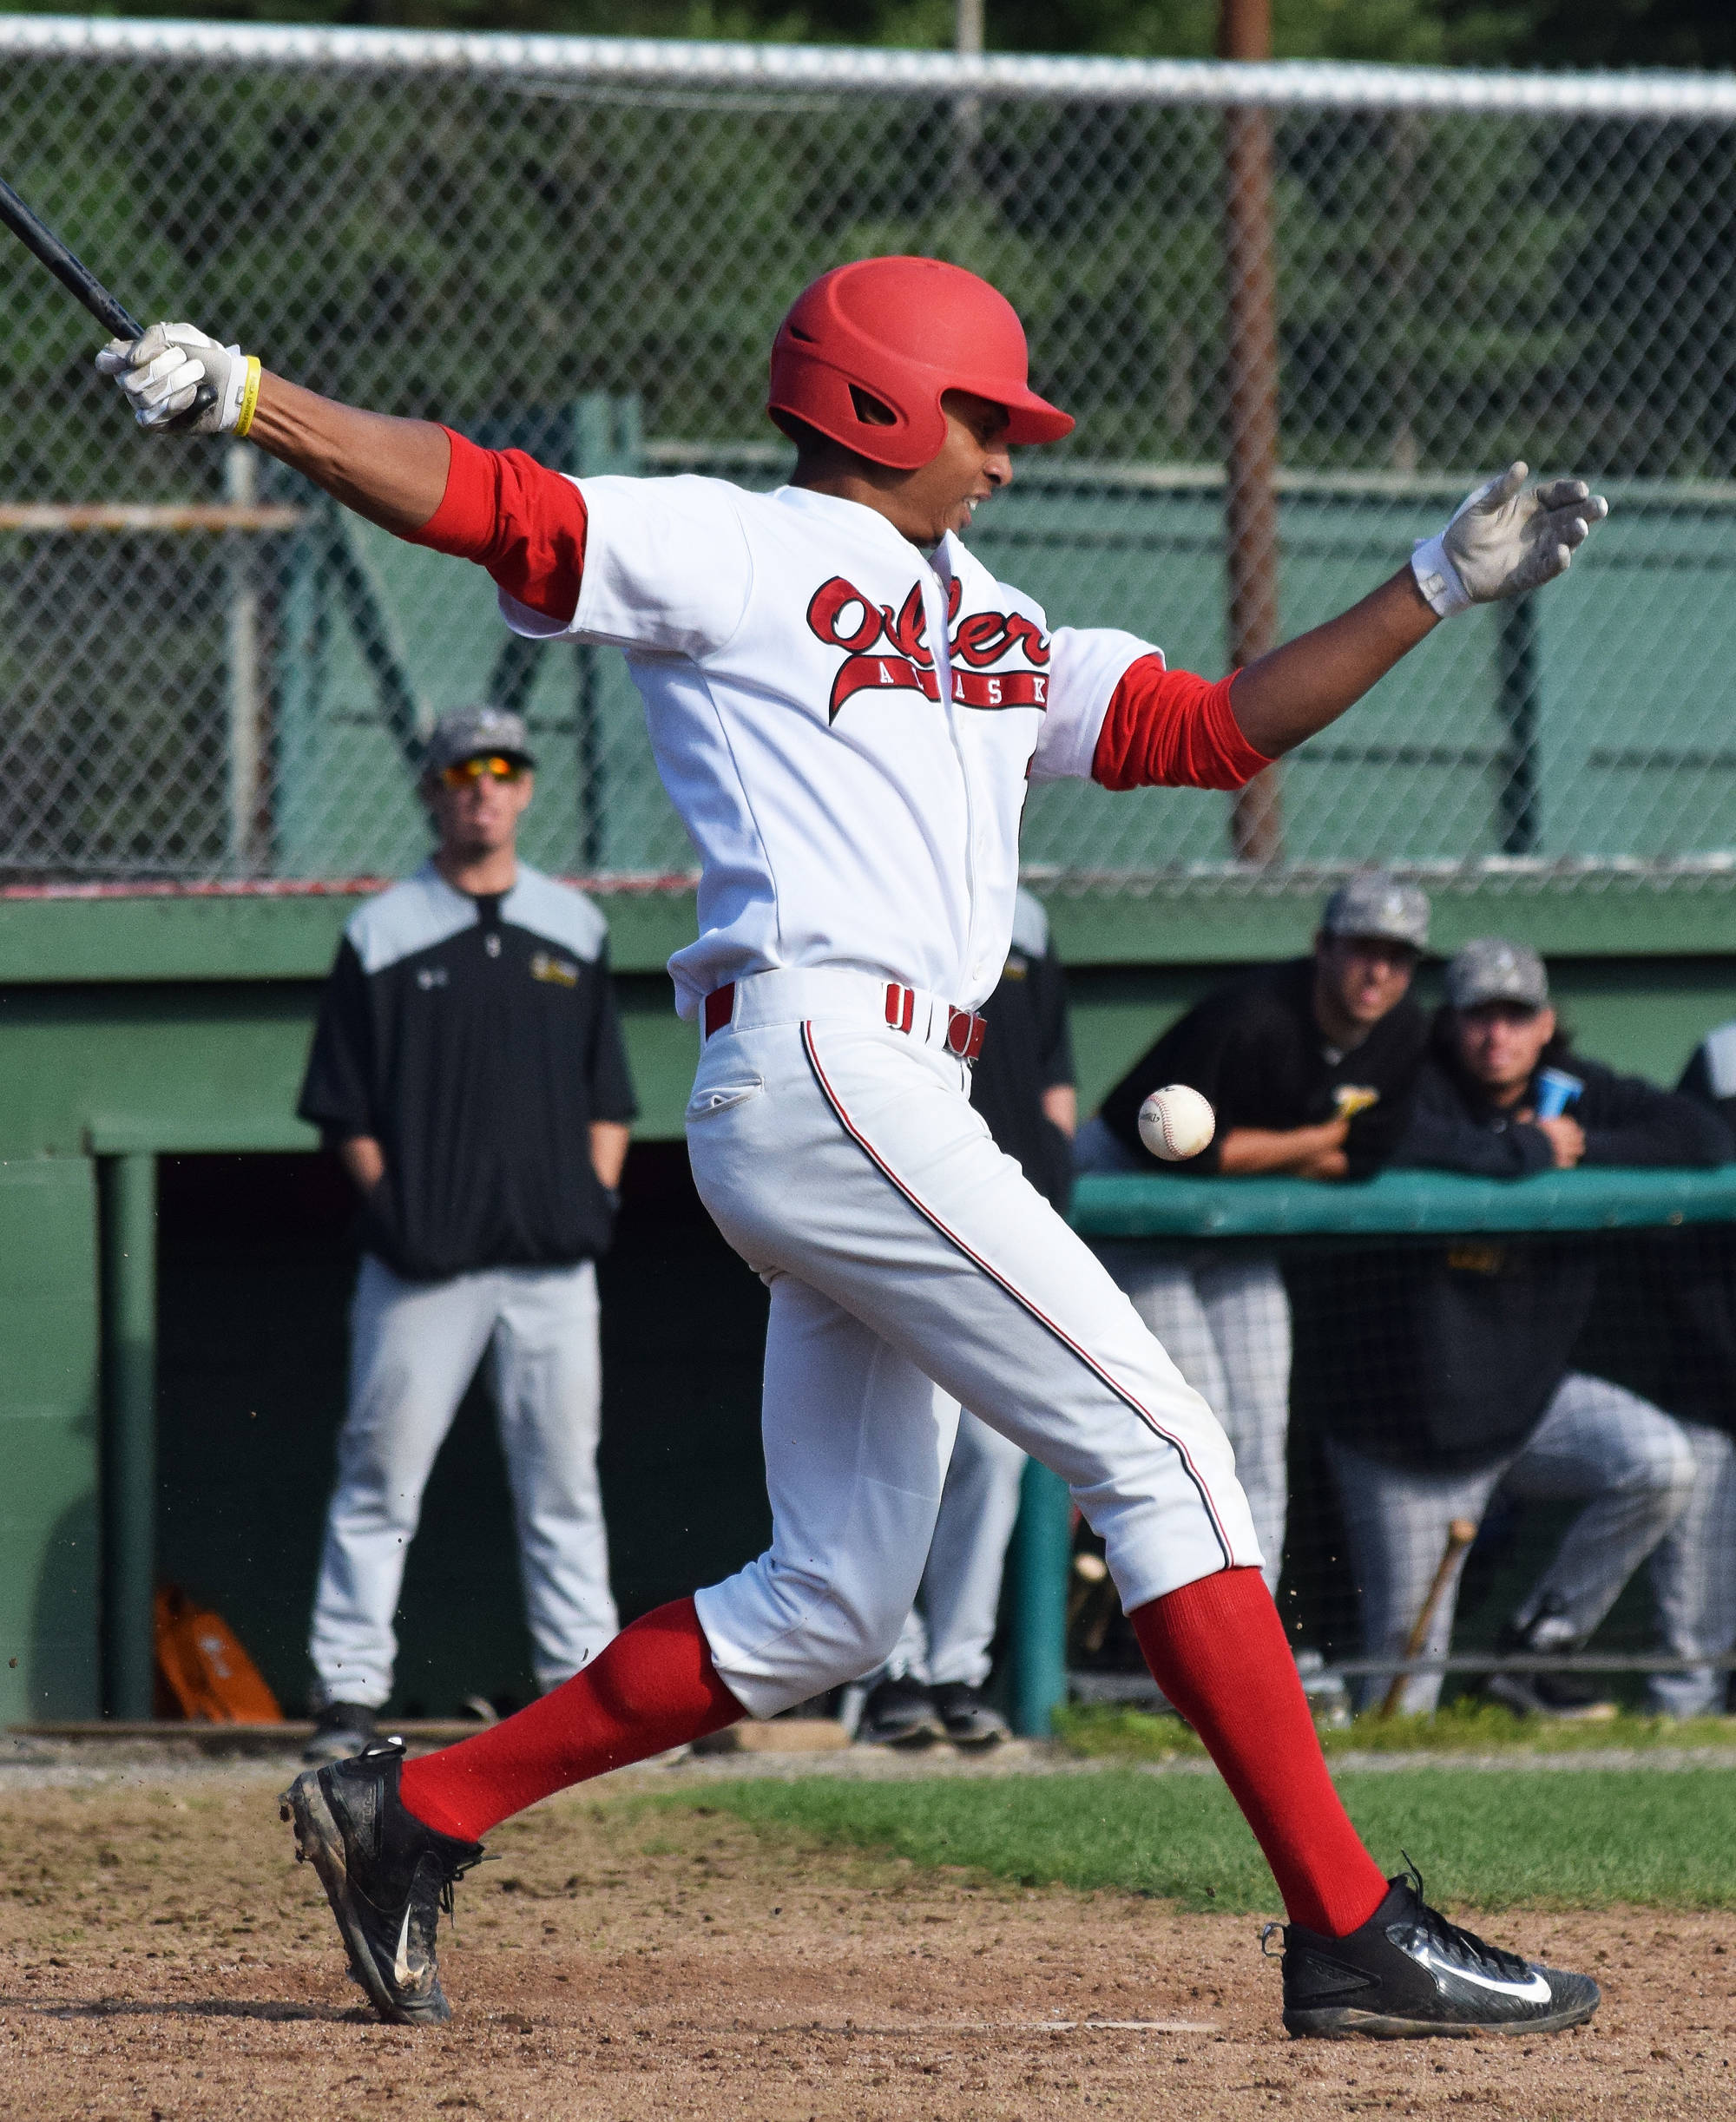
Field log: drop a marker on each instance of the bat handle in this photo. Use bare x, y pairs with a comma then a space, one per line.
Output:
203, 399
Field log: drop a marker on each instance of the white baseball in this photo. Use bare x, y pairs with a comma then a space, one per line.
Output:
1176, 1122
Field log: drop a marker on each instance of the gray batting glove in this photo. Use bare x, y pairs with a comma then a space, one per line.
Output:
162, 373
1505, 539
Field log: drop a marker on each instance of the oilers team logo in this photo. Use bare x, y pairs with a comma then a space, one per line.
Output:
887, 650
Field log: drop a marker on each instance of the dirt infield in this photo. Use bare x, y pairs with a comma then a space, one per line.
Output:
162, 1958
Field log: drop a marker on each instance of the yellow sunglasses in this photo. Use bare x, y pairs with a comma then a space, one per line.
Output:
463, 771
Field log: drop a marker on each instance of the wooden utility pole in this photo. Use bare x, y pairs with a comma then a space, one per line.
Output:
1251, 362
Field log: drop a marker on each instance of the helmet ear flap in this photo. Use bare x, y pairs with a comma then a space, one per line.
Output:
812, 392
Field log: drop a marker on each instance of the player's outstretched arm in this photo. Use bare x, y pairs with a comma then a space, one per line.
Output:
391, 472
1504, 540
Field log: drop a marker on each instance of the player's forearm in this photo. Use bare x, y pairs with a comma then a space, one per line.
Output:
1060, 1108
1287, 695
364, 1160
391, 472
609, 1151
1253, 1153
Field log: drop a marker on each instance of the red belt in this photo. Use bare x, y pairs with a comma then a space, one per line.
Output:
720, 1007
964, 1029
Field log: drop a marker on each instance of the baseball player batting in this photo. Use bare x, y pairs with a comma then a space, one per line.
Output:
846, 709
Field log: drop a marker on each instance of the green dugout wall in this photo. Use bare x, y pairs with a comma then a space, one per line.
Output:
134, 1027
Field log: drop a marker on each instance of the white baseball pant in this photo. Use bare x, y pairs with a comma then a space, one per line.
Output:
913, 1266
946, 1635
1597, 1443
1223, 1316
414, 1348
1694, 1582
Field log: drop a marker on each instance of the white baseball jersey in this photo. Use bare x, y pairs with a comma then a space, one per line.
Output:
846, 727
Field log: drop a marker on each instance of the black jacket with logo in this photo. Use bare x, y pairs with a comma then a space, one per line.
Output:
1254, 1050
1026, 1051
1447, 1356
1664, 1323
477, 1041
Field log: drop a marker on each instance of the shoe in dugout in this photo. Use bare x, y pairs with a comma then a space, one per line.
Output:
967, 1716
1408, 1974
899, 1712
1568, 1698
385, 1874
341, 1728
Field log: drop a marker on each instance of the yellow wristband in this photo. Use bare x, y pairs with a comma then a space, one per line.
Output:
250, 398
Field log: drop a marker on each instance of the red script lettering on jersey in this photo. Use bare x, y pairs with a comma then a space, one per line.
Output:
841, 616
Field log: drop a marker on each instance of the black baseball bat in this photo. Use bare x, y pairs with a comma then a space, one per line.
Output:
74, 274
36, 235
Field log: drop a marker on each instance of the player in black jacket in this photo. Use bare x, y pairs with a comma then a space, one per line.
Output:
1665, 1323
1309, 1067
468, 1070
1457, 1379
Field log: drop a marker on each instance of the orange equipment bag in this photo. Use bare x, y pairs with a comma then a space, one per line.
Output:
202, 1672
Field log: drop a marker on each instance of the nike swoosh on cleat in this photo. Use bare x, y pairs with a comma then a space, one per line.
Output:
404, 1974
1533, 1990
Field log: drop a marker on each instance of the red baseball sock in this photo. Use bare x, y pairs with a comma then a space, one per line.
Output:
652, 1688
1217, 1649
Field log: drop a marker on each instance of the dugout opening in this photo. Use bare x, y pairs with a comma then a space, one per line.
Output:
256, 1261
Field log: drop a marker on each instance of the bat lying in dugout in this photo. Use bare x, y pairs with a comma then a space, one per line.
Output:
1460, 1534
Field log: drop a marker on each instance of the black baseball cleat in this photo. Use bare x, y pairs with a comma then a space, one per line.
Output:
343, 1728
1409, 1973
898, 1712
967, 1718
386, 1875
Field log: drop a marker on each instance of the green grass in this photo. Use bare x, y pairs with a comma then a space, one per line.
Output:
1489, 1839
1103, 1732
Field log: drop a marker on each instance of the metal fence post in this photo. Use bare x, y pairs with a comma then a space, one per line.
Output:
1251, 362
129, 1456
245, 691
608, 436
1042, 1543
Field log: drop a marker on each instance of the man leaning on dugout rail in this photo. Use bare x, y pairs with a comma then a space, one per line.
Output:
1453, 1384
1308, 1066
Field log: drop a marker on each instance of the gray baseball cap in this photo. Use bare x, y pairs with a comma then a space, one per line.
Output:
472, 733
1377, 904
1492, 969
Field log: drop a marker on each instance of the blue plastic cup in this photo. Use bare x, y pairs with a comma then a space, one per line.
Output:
1556, 1091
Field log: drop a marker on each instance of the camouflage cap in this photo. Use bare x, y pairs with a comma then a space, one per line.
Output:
1377, 904
472, 733
1492, 969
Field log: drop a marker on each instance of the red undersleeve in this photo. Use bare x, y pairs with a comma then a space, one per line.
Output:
514, 516
1218, 1650
1170, 729
652, 1688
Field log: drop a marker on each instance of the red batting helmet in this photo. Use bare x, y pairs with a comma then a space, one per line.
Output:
903, 330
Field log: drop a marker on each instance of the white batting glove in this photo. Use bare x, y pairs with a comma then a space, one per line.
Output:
162, 373
1505, 539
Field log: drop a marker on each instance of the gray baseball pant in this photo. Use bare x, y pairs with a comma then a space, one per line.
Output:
1629, 1462
414, 1348
1223, 1318
946, 1637
1694, 1582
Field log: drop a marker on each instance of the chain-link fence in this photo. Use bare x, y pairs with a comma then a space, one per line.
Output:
1295, 310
